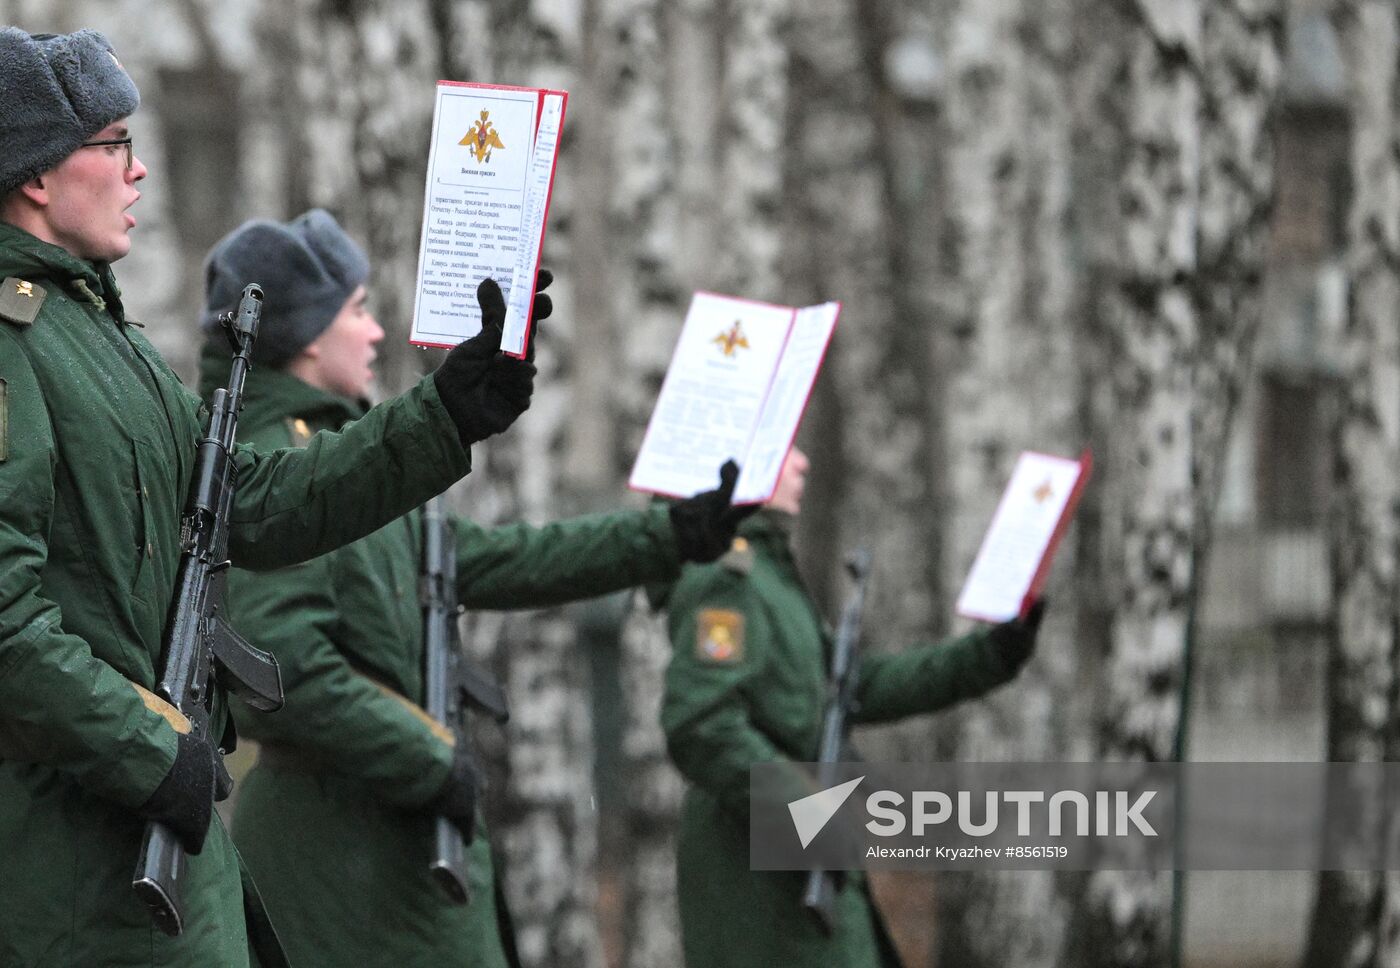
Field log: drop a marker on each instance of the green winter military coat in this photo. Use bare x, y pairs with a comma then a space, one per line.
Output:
746, 685
97, 439
329, 820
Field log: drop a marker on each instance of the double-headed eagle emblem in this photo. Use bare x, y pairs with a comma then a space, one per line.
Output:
482, 138
731, 340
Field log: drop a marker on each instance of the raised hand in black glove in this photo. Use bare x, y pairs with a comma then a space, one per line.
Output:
483, 389
457, 799
705, 524
1015, 640
184, 801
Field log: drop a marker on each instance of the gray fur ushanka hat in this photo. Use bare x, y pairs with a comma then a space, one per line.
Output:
56, 91
307, 267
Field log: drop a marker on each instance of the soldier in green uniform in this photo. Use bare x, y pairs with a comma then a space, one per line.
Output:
97, 442
746, 685
335, 819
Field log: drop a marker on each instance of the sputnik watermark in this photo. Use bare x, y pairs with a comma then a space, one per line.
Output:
811, 813
1112, 812
1076, 816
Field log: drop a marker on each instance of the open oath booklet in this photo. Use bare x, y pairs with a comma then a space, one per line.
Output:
736, 389
1030, 520
490, 177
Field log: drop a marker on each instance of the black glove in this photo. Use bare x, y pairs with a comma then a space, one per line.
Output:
705, 524
1015, 640
483, 389
542, 310
184, 801
457, 799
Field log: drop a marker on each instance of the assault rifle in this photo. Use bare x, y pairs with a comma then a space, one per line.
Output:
819, 897
450, 683
200, 649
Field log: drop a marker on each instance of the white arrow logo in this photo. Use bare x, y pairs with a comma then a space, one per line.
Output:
811, 813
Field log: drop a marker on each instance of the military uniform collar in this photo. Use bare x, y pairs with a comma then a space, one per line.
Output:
26, 257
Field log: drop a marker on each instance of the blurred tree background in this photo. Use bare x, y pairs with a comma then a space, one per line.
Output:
1168, 230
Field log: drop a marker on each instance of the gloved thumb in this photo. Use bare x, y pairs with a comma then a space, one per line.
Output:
728, 477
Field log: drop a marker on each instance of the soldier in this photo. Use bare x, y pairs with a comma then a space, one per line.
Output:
746, 685
335, 820
97, 442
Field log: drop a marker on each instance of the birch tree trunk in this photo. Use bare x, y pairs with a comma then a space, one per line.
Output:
1144, 92
699, 93
646, 303
650, 281
651, 929
1242, 61
1355, 914
1180, 92
864, 242
548, 827
1013, 350
750, 138
862, 200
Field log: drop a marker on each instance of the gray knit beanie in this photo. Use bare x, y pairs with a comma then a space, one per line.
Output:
307, 267
56, 91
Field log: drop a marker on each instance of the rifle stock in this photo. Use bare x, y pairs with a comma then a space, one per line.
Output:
448, 866
819, 895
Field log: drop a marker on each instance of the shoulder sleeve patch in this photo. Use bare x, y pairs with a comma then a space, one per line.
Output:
300, 431
739, 557
161, 708
21, 300
719, 636
418, 712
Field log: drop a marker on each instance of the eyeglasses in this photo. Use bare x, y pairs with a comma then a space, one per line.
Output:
112, 142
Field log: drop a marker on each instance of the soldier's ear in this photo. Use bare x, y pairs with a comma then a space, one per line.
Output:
311, 351
22, 205
34, 191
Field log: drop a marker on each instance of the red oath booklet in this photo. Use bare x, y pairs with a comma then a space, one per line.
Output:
490, 177
736, 388
1016, 552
